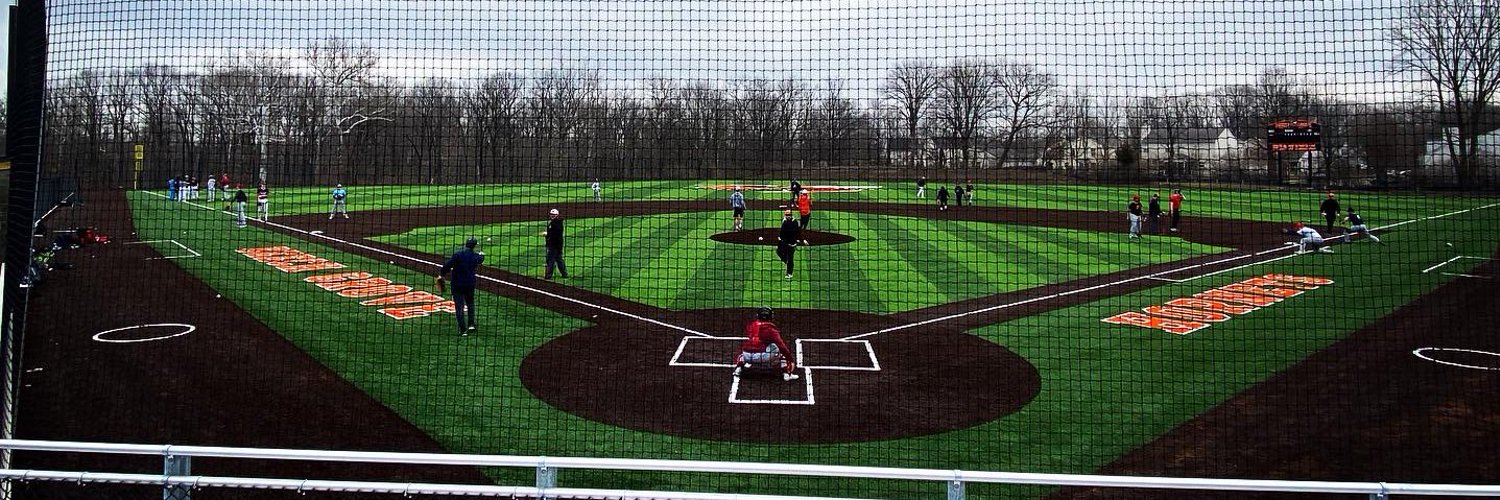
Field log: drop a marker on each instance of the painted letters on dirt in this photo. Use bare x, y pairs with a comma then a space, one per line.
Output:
1187, 315
403, 301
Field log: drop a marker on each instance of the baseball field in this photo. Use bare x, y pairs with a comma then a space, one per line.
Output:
1023, 331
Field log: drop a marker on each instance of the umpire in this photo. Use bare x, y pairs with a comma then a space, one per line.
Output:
462, 266
786, 240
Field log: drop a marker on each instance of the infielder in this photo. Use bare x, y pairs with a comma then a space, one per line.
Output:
737, 203
1357, 225
597, 190
239, 204
339, 193
786, 240
1308, 239
764, 346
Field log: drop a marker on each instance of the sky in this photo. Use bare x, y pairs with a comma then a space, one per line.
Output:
1110, 48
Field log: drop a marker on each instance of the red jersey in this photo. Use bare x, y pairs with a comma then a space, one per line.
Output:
761, 333
1175, 200
804, 203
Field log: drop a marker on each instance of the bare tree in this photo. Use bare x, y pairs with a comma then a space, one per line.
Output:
495, 112
1455, 46
710, 113
967, 98
343, 80
911, 87
1392, 139
1026, 97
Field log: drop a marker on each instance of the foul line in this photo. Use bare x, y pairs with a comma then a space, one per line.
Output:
1153, 276
434, 264
174, 242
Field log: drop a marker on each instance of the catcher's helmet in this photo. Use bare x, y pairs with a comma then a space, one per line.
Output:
471, 242
763, 313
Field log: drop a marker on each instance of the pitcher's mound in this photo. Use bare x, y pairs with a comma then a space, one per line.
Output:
767, 236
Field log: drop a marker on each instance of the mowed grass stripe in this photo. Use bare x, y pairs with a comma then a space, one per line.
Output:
612, 272
719, 280
1040, 260
928, 259
666, 273
849, 287
961, 240
896, 279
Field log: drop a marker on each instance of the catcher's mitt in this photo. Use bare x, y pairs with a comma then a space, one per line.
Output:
440, 285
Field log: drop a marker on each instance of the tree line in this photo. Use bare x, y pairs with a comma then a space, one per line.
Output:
340, 120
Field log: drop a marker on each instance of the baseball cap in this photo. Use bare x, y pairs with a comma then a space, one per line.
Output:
553, 212
471, 242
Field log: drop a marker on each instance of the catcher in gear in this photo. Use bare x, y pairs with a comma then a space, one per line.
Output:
763, 346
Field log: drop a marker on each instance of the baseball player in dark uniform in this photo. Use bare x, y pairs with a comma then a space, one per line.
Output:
1357, 226
463, 267
764, 346
1330, 210
942, 197
239, 203
786, 240
555, 245
1153, 210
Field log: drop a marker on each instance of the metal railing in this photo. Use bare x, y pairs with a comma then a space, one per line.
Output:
177, 482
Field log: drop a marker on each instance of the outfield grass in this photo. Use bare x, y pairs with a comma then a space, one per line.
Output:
894, 264
1256, 205
1106, 389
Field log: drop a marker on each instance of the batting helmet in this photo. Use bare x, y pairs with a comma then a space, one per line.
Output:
471, 242
763, 313
1296, 225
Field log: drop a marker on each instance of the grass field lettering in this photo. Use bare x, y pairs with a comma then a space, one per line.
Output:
1187, 315
408, 301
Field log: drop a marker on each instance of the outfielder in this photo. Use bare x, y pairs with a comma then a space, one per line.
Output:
763, 346
1357, 225
339, 193
598, 195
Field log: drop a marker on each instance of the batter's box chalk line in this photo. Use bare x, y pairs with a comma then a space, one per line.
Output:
724, 352
807, 389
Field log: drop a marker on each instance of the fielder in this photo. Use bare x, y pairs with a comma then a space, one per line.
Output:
1308, 239
737, 203
1357, 225
786, 240
262, 202
339, 193
597, 190
763, 346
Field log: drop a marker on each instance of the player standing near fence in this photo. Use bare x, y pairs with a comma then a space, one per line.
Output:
339, 193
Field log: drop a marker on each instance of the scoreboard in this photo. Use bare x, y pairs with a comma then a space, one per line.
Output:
1293, 135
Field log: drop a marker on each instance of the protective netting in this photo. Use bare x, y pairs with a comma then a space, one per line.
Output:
1215, 239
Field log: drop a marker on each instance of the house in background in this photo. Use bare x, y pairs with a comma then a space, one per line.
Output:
1437, 159
1194, 152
